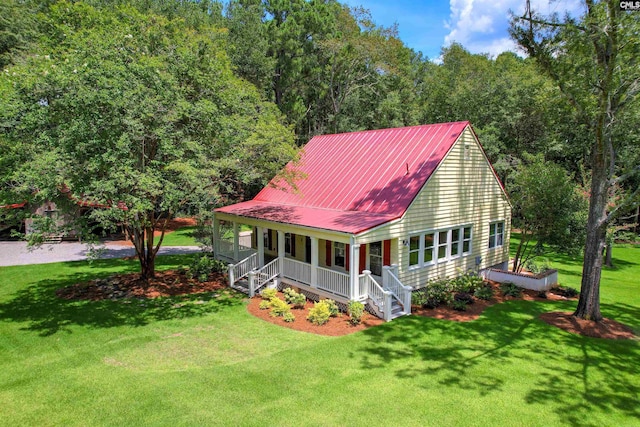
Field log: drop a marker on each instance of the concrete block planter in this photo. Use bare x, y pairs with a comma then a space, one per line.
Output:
537, 282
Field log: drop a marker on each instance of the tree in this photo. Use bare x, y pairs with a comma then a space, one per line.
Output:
547, 208
137, 113
594, 62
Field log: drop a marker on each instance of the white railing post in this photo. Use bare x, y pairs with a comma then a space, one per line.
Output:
236, 242
252, 281
385, 276
387, 306
354, 268
281, 253
395, 270
314, 262
260, 240
231, 278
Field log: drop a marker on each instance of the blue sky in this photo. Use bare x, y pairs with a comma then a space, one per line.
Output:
479, 25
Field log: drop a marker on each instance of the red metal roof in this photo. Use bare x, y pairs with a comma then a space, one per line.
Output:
356, 181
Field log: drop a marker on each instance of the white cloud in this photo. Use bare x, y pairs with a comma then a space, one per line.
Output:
481, 25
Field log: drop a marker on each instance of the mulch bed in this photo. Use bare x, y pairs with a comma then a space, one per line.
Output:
336, 326
166, 283
172, 283
606, 328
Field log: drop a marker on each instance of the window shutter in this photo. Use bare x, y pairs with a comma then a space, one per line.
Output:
328, 252
254, 238
347, 256
363, 258
386, 252
269, 238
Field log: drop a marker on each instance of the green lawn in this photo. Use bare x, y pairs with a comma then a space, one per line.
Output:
204, 360
181, 237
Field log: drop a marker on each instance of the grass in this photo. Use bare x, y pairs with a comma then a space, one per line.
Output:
203, 360
184, 236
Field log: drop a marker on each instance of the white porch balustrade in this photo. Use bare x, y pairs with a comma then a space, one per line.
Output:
297, 270
333, 281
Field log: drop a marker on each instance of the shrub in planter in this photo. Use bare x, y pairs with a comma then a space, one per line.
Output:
289, 317
268, 293
509, 289
356, 310
320, 313
484, 292
294, 298
278, 307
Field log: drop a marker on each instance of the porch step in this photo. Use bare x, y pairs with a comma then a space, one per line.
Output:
396, 309
241, 285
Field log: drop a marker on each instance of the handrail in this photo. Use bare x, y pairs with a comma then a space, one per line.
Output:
333, 281
259, 278
297, 270
380, 296
401, 292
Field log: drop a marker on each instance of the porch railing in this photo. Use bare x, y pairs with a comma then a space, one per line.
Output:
297, 270
259, 278
226, 250
333, 281
242, 269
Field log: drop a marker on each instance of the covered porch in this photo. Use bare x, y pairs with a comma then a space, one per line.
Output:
319, 263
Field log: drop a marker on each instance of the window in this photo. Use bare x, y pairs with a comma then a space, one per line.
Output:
496, 234
375, 258
338, 254
414, 250
287, 243
443, 242
427, 248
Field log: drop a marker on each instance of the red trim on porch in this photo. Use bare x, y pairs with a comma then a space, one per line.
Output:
386, 252
363, 258
327, 252
347, 256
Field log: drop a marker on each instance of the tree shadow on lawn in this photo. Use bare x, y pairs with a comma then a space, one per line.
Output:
488, 355
48, 314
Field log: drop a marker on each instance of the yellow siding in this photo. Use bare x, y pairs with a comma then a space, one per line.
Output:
461, 191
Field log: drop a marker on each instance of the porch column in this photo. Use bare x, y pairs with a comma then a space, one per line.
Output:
236, 241
260, 240
281, 250
215, 245
314, 261
354, 269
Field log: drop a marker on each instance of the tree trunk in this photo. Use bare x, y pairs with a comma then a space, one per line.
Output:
589, 303
608, 261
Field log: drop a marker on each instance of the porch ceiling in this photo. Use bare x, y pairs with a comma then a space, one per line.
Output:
352, 222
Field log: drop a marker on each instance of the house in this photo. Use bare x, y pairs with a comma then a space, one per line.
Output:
380, 213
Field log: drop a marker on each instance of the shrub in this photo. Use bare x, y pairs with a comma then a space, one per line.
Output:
320, 313
294, 298
509, 289
202, 266
418, 297
566, 291
484, 292
537, 268
268, 293
436, 293
333, 307
264, 304
459, 305
278, 307
289, 317
467, 282
356, 310
463, 296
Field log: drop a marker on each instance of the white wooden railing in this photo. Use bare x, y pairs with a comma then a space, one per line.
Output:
259, 278
227, 252
363, 286
333, 281
401, 292
297, 270
242, 269
378, 295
